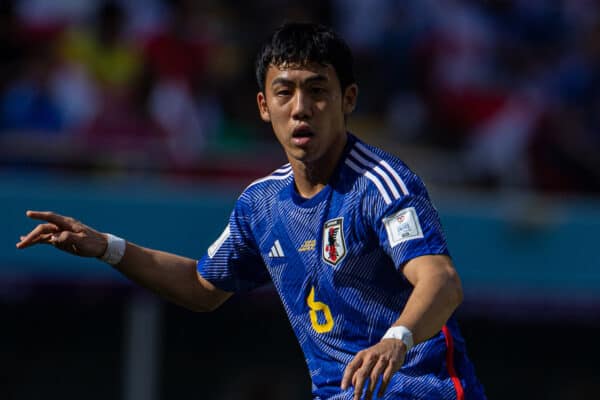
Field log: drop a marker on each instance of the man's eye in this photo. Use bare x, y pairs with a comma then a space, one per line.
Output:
318, 90
283, 92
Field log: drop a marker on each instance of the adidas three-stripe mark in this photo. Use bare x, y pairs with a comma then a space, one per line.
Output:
276, 250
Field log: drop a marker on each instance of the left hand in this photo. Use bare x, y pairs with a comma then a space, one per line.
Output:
382, 359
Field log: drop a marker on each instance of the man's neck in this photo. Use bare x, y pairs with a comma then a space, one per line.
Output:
311, 177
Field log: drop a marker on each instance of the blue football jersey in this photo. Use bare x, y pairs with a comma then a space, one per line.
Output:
335, 261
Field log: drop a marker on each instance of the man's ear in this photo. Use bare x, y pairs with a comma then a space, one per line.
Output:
349, 99
263, 109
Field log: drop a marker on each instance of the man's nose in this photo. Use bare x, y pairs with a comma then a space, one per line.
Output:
302, 106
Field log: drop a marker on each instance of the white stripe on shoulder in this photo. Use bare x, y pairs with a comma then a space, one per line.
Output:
372, 178
284, 168
385, 165
286, 171
377, 169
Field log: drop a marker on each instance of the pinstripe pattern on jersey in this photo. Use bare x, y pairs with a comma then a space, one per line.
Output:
240, 246
364, 292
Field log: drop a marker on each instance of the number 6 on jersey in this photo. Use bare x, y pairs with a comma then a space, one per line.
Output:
316, 306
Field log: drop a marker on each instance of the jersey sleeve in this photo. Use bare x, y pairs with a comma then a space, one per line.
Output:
232, 262
409, 226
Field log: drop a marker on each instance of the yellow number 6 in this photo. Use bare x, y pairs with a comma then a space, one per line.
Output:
319, 306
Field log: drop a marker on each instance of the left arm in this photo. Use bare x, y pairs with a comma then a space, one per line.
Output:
437, 293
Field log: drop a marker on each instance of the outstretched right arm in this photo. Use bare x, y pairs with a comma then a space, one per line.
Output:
169, 275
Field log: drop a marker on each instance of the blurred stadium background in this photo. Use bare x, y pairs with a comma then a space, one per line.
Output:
139, 118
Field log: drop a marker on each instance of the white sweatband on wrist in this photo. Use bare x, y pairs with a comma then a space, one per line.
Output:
400, 333
115, 250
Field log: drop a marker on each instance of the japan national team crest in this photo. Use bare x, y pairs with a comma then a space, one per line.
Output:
334, 245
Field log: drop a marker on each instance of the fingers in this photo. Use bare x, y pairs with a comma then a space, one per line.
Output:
59, 220
379, 361
64, 233
361, 376
350, 370
379, 368
387, 375
65, 241
40, 234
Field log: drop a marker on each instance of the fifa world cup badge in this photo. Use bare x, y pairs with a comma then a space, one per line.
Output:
402, 226
333, 243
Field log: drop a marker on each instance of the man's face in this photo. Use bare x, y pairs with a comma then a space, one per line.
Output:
306, 108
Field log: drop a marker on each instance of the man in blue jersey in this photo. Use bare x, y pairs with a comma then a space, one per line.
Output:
345, 231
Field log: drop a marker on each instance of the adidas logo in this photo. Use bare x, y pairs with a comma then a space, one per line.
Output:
276, 250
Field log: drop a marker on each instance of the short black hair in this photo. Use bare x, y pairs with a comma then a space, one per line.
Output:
298, 43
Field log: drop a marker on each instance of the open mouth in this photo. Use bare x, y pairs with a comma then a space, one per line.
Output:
302, 136
302, 132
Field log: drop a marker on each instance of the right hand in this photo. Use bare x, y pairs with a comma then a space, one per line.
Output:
64, 233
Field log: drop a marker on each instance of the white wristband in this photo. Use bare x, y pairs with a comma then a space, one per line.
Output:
115, 250
400, 333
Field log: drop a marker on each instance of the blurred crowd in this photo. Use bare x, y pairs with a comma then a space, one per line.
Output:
507, 91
